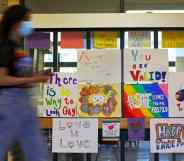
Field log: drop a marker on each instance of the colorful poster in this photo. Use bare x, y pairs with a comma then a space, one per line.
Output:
105, 39
99, 66
99, 100
167, 135
40, 40
110, 130
139, 39
145, 100
145, 65
176, 94
173, 39
75, 135
136, 129
72, 40
60, 96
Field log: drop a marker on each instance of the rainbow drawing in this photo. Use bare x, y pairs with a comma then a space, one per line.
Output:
146, 100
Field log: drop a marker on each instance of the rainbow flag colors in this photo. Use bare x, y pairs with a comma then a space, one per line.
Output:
146, 100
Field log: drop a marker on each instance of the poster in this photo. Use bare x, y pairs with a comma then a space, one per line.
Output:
75, 135
146, 100
145, 65
139, 39
167, 135
60, 96
99, 100
72, 40
110, 130
99, 66
176, 94
136, 129
40, 40
173, 39
105, 39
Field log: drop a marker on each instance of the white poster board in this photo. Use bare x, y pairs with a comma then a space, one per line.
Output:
145, 65
75, 135
111, 130
167, 135
60, 96
99, 66
176, 94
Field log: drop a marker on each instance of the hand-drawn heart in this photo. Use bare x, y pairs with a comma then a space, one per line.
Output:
69, 124
110, 127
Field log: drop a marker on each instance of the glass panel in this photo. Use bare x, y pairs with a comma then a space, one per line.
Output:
48, 58
108, 153
179, 157
138, 151
175, 52
165, 157
72, 157
68, 55
68, 44
139, 39
68, 69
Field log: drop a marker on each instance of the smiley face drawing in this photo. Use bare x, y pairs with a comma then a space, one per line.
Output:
98, 99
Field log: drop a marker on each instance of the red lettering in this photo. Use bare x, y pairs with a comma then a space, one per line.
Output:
64, 110
135, 74
66, 101
69, 111
71, 101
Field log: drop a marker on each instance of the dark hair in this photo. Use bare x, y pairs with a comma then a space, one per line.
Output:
12, 15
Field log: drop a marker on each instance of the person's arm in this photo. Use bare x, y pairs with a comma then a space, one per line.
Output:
7, 80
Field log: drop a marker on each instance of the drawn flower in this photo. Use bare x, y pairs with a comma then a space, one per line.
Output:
95, 99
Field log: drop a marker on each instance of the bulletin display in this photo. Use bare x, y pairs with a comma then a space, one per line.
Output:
111, 83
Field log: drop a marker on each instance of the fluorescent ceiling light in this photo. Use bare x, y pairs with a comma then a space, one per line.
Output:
155, 11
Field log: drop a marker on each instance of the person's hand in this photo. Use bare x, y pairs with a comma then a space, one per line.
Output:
41, 77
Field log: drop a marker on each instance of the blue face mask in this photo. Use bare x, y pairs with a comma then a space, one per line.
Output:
25, 28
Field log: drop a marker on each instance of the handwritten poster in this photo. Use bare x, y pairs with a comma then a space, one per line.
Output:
136, 129
105, 39
99, 66
146, 100
145, 65
172, 39
176, 94
110, 130
72, 40
99, 100
139, 39
75, 135
167, 135
60, 96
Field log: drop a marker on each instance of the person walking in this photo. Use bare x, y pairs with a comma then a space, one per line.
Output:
18, 121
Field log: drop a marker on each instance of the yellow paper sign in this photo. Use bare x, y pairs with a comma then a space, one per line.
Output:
173, 39
12, 2
105, 39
